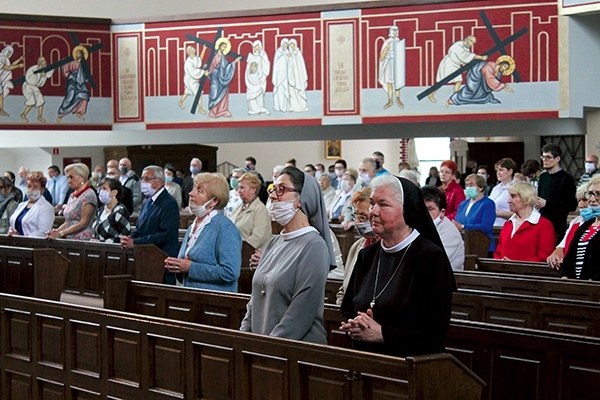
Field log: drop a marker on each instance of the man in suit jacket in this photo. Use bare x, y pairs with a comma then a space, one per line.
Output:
158, 222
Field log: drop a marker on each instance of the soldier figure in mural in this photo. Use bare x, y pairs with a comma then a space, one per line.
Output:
459, 54
193, 71
77, 94
221, 73
391, 67
482, 80
6, 69
258, 68
31, 89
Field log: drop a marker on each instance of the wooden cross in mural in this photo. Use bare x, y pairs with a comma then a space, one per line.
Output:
213, 50
84, 65
500, 45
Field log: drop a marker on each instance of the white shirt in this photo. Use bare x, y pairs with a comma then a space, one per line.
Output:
500, 196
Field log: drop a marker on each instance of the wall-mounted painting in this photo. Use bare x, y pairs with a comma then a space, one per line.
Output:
333, 148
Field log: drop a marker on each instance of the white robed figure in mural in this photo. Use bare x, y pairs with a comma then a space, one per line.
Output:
258, 68
459, 54
31, 89
392, 76
280, 78
297, 78
6, 69
193, 72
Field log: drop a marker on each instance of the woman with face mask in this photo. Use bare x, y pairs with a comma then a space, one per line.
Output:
360, 201
288, 285
34, 216
477, 212
112, 218
172, 187
210, 256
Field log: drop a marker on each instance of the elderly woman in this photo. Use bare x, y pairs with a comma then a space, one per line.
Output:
328, 191
251, 217
477, 212
342, 199
81, 207
454, 193
172, 187
526, 236
288, 285
556, 258
8, 203
582, 261
112, 220
35, 216
399, 297
211, 252
504, 171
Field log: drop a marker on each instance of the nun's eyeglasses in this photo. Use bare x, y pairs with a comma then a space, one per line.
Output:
280, 190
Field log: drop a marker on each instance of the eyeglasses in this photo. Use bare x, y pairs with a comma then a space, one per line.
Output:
546, 158
148, 179
593, 193
360, 217
280, 190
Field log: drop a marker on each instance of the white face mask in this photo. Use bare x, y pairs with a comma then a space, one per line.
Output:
147, 189
365, 178
346, 186
104, 196
590, 167
437, 220
34, 195
283, 211
200, 211
339, 173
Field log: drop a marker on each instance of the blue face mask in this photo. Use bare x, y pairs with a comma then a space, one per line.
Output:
471, 192
168, 178
590, 212
233, 183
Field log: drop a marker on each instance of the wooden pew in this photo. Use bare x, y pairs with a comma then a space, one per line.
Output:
515, 267
54, 350
91, 261
476, 242
346, 238
540, 362
246, 274
331, 288
40, 273
529, 285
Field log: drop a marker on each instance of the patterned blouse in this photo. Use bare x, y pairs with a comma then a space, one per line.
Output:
116, 224
72, 213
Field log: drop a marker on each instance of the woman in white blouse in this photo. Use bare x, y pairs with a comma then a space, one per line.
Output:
34, 216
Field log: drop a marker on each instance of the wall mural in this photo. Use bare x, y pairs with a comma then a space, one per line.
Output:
412, 63
55, 76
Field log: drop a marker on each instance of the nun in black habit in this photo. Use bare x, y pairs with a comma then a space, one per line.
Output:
399, 297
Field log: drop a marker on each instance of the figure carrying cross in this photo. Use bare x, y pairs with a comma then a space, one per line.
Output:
220, 72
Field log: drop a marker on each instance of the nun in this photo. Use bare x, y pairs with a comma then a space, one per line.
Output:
288, 286
399, 297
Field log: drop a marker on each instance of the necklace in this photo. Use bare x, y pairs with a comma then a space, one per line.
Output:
375, 294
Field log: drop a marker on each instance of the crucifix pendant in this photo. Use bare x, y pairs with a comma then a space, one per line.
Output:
372, 304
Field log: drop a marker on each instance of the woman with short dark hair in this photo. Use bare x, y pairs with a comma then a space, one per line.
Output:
112, 219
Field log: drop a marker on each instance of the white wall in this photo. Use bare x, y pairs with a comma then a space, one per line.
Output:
35, 159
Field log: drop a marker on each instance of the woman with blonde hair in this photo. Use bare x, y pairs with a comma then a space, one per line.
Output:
81, 207
251, 217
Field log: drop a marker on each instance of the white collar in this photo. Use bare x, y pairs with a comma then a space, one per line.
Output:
533, 218
298, 232
404, 243
155, 196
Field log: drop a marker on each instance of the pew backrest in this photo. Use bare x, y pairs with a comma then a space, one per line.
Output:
515, 267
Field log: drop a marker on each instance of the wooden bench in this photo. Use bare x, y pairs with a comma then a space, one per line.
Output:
346, 239
39, 273
91, 261
53, 350
541, 362
529, 285
515, 267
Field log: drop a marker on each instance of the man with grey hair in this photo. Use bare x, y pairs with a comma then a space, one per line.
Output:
188, 182
129, 179
158, 222
22, 182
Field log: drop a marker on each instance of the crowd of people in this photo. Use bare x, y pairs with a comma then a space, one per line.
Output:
397, 282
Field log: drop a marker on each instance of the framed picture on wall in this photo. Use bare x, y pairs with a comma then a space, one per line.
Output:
333, 148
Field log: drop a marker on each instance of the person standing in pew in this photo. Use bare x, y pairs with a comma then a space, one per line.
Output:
583, 258
34, 216
112, 220
289, 283
526, 236
8, 203
158, 222
399, 297
81, 207
210, 256
251, 216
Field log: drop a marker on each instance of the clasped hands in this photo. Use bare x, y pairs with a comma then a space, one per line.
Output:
363, 327
178, 265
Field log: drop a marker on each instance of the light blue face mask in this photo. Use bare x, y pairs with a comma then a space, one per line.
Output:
233, 183
471, 192
590, 212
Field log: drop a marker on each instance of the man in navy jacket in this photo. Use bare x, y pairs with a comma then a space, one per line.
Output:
158, 222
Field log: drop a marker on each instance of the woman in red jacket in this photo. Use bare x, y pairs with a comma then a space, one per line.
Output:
454, 193
526, 236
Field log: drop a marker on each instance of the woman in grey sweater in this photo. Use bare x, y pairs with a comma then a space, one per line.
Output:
289, 283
